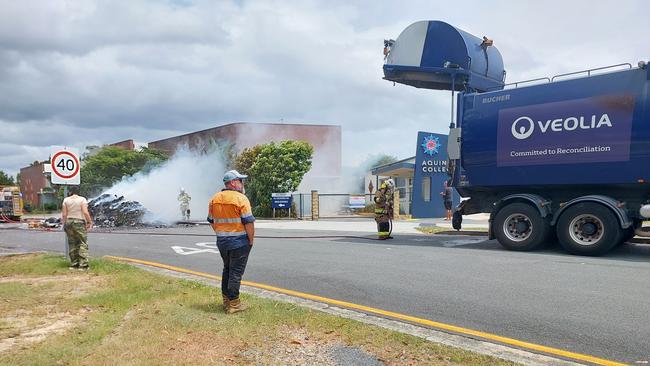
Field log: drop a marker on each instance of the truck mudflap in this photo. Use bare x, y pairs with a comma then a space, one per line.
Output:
611, 203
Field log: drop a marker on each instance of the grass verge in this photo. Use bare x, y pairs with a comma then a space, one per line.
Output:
117, 314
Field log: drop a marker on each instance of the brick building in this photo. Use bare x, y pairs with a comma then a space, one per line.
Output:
126, 145
326, 140
35, 186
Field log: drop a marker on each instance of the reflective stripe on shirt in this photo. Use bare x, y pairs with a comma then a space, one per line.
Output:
224, 221
231, 233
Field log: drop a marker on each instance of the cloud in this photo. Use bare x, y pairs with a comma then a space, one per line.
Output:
101, 71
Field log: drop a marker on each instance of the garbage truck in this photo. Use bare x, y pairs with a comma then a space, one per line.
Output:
563, 158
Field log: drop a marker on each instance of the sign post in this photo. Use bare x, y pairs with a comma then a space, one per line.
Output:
281, 200
65, 167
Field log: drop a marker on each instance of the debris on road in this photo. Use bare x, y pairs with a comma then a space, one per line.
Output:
109, 210
52, 222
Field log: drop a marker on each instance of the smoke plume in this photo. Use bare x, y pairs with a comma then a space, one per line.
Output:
199, 173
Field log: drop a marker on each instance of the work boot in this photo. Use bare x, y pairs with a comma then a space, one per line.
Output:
226, 302
235, 306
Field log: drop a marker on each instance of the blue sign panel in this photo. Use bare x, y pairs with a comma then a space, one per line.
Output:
430, 175
281, 200
587, 130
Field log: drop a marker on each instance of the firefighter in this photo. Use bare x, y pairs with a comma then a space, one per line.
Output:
184, 200
384, 208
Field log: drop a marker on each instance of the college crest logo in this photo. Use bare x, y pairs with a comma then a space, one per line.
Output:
431, 145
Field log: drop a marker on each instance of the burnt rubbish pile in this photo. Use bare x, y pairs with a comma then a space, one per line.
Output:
109, 210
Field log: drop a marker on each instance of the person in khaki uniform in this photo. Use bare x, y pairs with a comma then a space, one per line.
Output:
76, 222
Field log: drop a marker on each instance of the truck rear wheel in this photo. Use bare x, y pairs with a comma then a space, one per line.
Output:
519, 226
588, 229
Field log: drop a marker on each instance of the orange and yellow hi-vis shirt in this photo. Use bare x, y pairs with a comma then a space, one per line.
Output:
228, 211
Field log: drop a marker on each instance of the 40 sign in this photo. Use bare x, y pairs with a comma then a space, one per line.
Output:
65, 166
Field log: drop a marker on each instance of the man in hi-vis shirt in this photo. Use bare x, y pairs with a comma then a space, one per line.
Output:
231, 217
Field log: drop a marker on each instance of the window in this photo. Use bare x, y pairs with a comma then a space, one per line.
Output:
426, 189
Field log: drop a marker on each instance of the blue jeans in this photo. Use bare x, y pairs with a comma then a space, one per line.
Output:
234, 265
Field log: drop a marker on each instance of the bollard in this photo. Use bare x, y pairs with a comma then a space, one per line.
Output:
314, 205
396, 204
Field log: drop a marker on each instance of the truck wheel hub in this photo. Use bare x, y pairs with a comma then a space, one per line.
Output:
586, 229
589, 228
517, 227
521, 227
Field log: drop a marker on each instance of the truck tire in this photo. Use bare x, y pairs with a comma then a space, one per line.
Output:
519, 226
588, 229
456, 220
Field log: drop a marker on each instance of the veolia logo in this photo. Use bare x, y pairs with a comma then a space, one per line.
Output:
526, 128
523, 127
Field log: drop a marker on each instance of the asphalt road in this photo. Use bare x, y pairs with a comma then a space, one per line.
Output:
594, 306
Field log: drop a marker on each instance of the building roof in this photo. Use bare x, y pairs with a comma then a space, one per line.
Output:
245, 123
401, 168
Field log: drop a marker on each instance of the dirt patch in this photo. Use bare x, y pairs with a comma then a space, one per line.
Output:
22, 334
32, 324
201, 348
35, 280
75, 285
290, 346
295, 347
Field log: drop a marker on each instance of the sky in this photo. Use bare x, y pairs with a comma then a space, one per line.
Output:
93, 72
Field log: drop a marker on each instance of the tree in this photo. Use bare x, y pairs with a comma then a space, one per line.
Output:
111, 164
6, 179
381, 159
244, 161
275, 167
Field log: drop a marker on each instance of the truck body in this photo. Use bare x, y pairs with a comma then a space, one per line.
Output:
566, 158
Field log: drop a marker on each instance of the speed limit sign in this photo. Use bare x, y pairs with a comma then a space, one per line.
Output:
65, 166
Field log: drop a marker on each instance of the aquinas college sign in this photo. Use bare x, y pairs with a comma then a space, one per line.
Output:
430, 175
434, 166
431, 148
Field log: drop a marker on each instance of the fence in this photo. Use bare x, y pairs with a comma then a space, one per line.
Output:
329, 205
314, 205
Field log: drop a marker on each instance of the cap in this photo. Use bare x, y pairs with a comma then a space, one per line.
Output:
232, 175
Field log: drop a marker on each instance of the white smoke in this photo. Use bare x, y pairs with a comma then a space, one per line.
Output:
200, 174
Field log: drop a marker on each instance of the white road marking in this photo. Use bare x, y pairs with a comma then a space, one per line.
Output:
209, 244
187, 250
